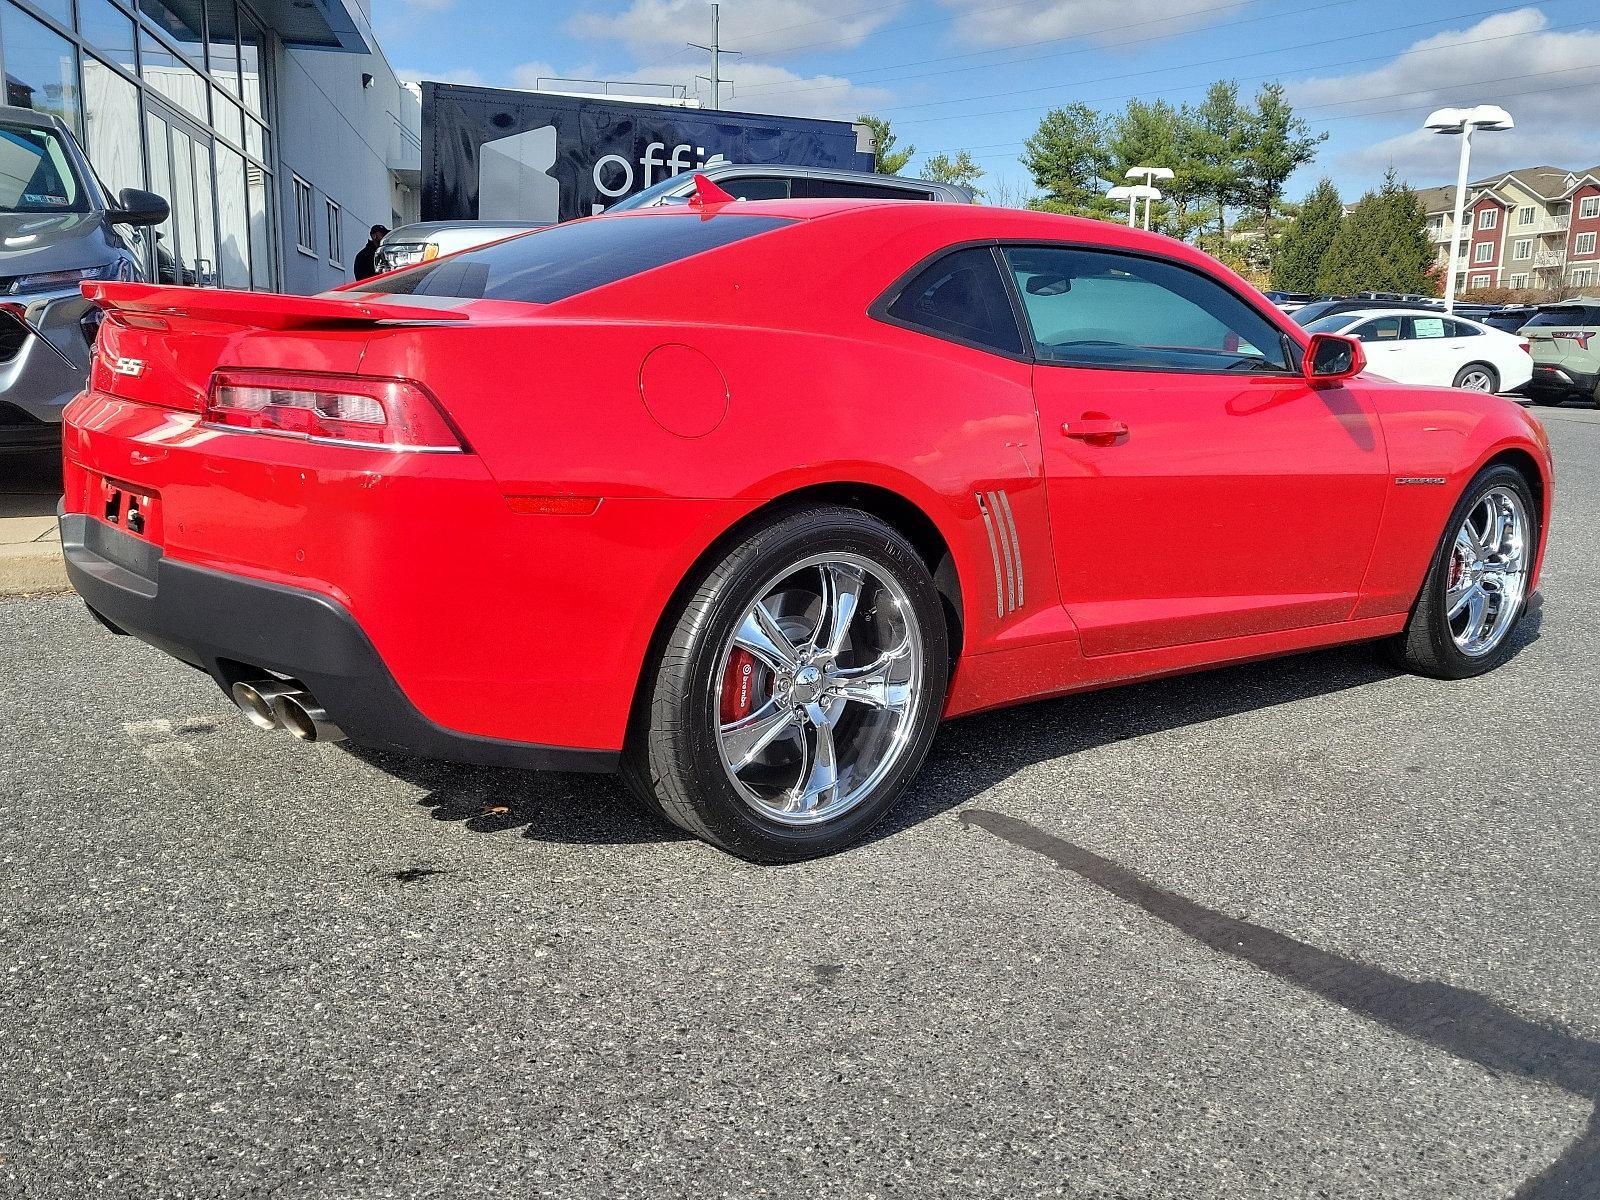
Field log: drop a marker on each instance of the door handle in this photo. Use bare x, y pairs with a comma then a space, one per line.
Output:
1099, 430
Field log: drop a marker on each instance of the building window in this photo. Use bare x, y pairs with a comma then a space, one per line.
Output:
1523, 250
1519, 281
1588, 207
1480, 281
1581, 279
1481, 253
305, 234
1584, 244
1489, 218
335, 242
1525, 215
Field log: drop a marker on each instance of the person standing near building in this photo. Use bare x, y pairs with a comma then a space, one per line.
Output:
365, 266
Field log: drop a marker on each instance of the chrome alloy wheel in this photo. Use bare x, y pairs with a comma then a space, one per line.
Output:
819, 689
1477, 380
1488, 572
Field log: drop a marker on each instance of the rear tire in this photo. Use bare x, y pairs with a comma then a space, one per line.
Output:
815, 655
1478, 377
1475, 592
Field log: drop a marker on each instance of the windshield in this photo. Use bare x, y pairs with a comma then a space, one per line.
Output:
1332, 323
36, 176
653, 193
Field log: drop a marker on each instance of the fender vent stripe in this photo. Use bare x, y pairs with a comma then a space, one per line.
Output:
1005, 550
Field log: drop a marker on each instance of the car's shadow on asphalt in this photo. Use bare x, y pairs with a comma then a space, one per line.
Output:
969, 757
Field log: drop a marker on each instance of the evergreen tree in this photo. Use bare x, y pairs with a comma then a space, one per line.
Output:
961, 169
1299, 257
886, 160
1145, 134
1067, 157
1218, 131
1382, 246
1276, 144
1406, 253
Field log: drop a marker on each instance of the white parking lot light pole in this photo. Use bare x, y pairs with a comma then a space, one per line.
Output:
1149, 175
1461, 122
1123, 193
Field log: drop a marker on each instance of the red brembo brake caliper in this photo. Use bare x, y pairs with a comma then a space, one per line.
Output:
738, 686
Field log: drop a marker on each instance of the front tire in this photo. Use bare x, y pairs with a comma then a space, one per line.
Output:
1476, 588
1478, 377
798, 691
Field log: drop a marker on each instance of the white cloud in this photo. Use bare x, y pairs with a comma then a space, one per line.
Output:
984, 23
1550, 81
745, 89
455, 75
765, 27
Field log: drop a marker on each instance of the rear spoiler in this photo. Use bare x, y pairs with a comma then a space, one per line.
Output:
269, 310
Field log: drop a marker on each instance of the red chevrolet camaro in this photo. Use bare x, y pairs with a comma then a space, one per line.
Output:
741, 499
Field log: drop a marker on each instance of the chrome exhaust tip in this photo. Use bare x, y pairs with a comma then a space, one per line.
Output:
256, 698
302, 716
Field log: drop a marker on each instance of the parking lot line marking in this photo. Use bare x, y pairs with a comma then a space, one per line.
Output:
1465, 1024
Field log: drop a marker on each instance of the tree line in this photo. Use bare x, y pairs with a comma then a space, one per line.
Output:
1231, 158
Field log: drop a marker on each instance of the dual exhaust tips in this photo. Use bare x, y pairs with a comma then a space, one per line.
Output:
280, 704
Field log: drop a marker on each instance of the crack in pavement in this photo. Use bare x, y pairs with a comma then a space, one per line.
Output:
1465, 1024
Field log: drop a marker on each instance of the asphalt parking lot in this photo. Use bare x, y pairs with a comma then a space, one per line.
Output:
1305, 928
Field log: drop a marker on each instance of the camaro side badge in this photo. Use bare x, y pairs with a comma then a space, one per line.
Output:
1433, 479
128, 366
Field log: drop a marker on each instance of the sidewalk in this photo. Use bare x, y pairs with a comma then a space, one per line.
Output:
30, 546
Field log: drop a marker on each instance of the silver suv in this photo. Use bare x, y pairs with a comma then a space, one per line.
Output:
58, 227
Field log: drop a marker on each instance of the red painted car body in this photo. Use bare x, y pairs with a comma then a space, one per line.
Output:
615, 439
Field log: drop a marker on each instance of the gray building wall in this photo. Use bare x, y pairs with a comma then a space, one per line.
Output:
354, 145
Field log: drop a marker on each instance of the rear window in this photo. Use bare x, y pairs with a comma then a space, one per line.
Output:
1567, 314
564, 260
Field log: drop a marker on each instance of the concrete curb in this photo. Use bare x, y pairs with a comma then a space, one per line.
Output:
33, 569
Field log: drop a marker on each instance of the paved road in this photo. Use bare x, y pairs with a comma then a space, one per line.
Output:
1299, 929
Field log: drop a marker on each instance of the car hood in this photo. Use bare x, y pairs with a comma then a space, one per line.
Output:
35, 242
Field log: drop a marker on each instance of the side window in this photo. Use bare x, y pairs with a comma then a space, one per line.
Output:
961, 297
1426, 328
757, 187
1092, 308
840, 189
1462, 329
1381, 329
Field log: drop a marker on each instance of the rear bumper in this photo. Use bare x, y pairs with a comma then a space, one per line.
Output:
1549, 378
234, 628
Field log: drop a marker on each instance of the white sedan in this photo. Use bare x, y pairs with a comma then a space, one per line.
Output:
1411, 346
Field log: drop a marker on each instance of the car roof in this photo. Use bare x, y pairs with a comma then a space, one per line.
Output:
725, 170
1363, 314
26, 116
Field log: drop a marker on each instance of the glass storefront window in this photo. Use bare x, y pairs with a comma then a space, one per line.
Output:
41, 68
109, 30
233, 220
258, 188
226, 117
252, 58
255, 140
111, 119
180, 20
61, 10
172, 77
222, 57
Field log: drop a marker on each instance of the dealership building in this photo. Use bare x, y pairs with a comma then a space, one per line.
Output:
276, 129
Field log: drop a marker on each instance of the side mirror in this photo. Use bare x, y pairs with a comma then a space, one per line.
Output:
1330, 358
136, 207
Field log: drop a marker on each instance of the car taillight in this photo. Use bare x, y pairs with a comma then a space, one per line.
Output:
389, 413
1527, 347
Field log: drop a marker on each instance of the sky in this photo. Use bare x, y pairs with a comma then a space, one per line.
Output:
979, 74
